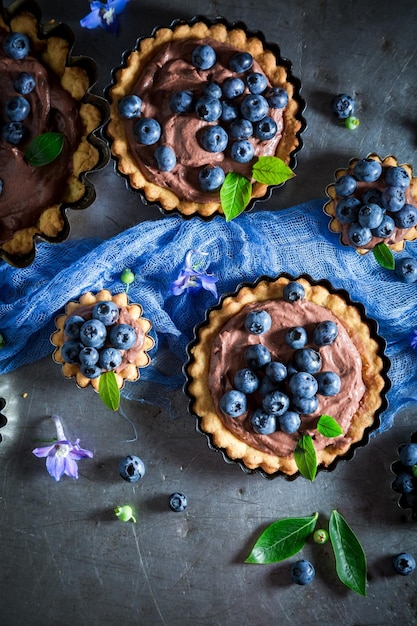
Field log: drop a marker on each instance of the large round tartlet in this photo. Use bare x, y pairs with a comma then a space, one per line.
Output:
356, 355
372, 192
133, 359
161, 65
34, 197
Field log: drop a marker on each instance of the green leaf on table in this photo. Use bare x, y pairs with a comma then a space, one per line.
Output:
305, 457
349, 554
271, 171
109, 391
44, 149
235, 194
328, 427
282, 539
383, 256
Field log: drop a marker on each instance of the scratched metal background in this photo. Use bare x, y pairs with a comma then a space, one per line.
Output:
64, 558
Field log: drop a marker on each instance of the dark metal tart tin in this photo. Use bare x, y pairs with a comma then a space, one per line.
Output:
58, 29
274, 48
373, 327
407, 502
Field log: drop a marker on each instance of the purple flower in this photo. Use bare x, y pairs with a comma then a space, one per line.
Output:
413, 339
62, 455
104, 15
192, 280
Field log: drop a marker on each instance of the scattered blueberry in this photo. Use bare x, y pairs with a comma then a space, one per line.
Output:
241, 62
302, 572
208, 109
408, 454
359, 235
254, 107
147, 131
16, 46
404, 563
110, 359
265, 129
246, 380
131, 468
393, 199
305, 406
211, 178
203, 57
263, 423
345, 185
241, 129
93, 333
13, 132
397, 177
24, 83
329, 383
343, 105
325, 333
406, 217
406, 269
182, 102
16, 108
165, 158
214, 139
212, 90
276, 371
289, 422
122, 336
233, 403
307, 360
293, 291
275, 402
130, 106
277, 97
177, 502
233, 87
404, 483
107, 312
303, 384
367, 170
296, 337
230, 111
257, 356
242, 151
73, 325
256, 82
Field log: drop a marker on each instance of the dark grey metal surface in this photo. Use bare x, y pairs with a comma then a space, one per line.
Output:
64, 557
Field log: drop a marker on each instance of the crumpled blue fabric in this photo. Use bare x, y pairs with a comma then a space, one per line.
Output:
296, 240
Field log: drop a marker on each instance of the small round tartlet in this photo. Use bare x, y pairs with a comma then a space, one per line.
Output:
162, 66
405, 482
358, 188
133, 359
219, 350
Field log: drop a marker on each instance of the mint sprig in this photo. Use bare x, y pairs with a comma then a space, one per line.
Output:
383, 256
109, 391
305, 456
44, 149
286, 537
236, 190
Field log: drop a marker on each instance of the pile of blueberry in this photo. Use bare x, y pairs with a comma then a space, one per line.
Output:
405, 470
17, 108
283, 390
98, 343
235, 111
375, 212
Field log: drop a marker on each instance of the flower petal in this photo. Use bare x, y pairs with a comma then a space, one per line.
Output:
71, 468
78, 453
55, 466
43, 451
92, 20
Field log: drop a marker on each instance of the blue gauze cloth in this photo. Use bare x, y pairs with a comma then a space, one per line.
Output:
296, 240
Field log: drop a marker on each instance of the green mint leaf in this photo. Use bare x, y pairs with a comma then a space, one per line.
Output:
305, 457
383, 256
44, 149
349, 554
109, 391
328, 427
235, 194
282, 539
271, 171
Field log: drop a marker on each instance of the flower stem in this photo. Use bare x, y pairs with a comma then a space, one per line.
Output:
59, 428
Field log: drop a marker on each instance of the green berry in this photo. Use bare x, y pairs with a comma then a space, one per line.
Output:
127, 277
352, 122
125, 513
321, 535
414, 471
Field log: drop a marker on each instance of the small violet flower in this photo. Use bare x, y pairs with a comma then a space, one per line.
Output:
192, 280
104, 15
413, 339
62, 455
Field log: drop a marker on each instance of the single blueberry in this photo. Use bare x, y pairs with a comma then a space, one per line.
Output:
233, 403
392, 199
265, 129
293, 291
408, 454
214, 139
406, 217
289, 422
254, 107
256, 82
345, 185
302, 572
370, 215
404, 483
367, 170
276, 371
329, 383
212, 90
177, 502
17, 108
385, 228
305, 406
258, 322
296, 337
275, 402
241, 129
131, 468
1, 186
70, 351
246, 380
211, 178
90, 371
241, 62
13, 132
16, 46
242, 151
325, 333
203, 57
404, 563
165, 158
406, 269
106, 311
263, 423
230, 111
372, 195
130, 106
122, 336
208, 109
257, 356
277, 97
24, 83
147, 131
359, 235
89, 356
73, 325
343, 105
266, 386
233, 87
181, 102
93, 333
397, 177
110, 358
307, 360
303, 384
347, 210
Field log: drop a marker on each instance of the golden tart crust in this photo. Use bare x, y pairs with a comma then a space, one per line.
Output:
130, 370
198, 371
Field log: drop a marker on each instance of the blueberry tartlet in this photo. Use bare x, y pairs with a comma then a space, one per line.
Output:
48, 122
274, 357
373, 201
198, 100
405, 470
99, 333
